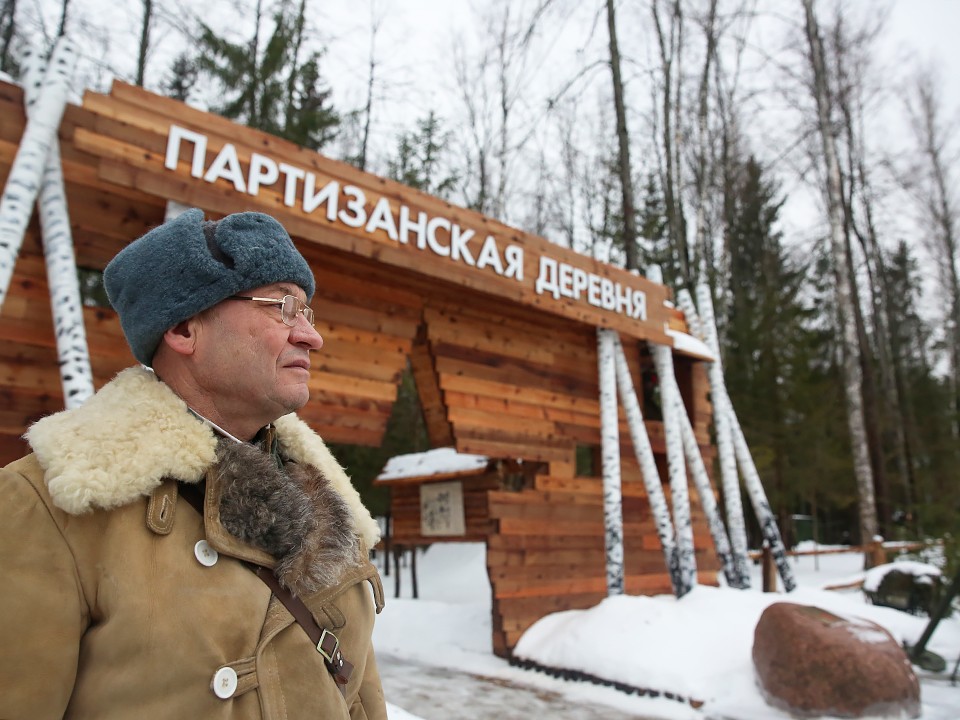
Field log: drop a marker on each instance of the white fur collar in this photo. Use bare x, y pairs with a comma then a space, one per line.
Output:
135, 432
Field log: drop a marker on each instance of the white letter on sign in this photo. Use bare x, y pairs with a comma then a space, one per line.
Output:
547, 282
263, 171
227, 166
355, 205
328, 194
382, 219
199, 141
514, 257
290, 176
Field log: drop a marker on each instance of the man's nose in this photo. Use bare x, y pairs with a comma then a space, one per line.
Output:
305, 334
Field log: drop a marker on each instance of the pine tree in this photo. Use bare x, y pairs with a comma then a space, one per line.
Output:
311, 122
10, 40
931, 504
654, 226
768, 344
419, 159
181, 78
271, 89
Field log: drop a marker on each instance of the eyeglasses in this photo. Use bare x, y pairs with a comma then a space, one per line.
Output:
290, 307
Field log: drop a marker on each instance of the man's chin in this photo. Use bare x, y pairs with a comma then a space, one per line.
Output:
294, 400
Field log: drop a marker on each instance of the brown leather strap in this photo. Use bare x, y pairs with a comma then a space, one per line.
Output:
326, 643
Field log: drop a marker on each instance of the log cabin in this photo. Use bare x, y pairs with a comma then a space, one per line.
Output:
498, 326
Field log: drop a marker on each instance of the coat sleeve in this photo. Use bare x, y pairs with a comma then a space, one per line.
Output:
370, 703
42, 611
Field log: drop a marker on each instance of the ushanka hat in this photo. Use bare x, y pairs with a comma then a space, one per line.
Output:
188, 265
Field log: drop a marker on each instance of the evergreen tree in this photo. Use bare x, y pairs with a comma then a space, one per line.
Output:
654, 227
419, 159
271, 89
181, 78
931, 505
774, 360
10, 41
311, 120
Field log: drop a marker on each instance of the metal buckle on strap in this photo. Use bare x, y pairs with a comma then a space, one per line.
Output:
328, 656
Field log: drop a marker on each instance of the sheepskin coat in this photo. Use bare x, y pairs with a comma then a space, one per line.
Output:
121, 601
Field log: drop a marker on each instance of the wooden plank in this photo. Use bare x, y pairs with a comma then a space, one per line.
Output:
519, 409
343, 385
471, 385
422, 365
494, 368
510, 450
585, 485
544, 542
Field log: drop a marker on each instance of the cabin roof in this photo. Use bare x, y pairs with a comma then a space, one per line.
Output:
439, 463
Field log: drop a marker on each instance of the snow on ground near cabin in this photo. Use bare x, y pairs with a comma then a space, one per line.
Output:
436, 660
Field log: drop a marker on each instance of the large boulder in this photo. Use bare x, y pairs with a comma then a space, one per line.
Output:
811, 662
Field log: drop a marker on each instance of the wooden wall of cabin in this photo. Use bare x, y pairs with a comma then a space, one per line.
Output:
405, 510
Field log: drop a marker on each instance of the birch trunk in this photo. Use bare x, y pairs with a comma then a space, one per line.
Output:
648, 466
623, 145
761, 506
663, 359
702, 175
610, 451
730, 481
691, 449
701, 480
65, 301
851, 359
23, 182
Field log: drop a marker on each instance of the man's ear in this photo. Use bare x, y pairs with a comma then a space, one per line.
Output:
182, 337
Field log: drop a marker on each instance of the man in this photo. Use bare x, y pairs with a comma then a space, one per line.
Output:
152, 543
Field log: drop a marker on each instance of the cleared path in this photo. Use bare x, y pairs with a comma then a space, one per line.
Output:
436, 693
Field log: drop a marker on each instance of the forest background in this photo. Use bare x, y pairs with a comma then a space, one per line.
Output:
786, 152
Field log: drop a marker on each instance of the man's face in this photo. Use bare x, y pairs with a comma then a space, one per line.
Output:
252, 366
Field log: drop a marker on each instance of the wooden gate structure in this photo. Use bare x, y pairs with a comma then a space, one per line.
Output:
499, 327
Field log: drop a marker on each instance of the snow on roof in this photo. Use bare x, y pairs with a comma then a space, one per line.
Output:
439, 461
689, 344
873, 576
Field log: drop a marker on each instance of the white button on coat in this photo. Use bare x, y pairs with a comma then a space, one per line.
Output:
225, 682
205, 554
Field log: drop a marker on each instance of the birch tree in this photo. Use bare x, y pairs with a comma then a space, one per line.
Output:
144, 45
852, 376
8, 36
933, 185
669, 33
623, 146
850, 50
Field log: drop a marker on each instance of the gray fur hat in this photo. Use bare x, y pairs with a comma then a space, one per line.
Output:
188, 265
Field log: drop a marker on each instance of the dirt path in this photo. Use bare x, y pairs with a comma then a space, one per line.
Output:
436, 693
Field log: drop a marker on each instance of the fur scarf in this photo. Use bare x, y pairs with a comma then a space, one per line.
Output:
292, 513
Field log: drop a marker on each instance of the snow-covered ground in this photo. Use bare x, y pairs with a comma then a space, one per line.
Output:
436, 660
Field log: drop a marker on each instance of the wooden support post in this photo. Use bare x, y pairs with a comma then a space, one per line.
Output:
648, 467
769, 570
23, 181
413, 572
397, 553
73, 353
610, 444
874, 554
